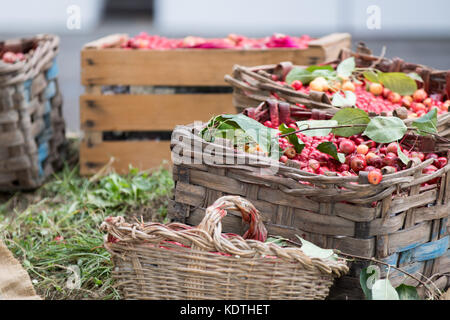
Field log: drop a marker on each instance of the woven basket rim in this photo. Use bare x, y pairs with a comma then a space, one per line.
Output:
45, 51
200, 241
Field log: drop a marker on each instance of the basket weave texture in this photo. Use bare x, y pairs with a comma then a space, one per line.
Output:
32, 129
175, 261
253, 85
397, 221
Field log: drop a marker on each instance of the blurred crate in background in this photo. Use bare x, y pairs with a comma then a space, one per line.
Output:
134, 98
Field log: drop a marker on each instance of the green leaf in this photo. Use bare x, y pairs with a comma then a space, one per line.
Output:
385, 129
242, 129
383, 290
401, 155
328, 147
316, 124
292, 138
346, 67
426, 123
348, 116
314, 68
301, 74
260, 133
279, 241
313, 251
398, 82
372, 76
415, 76
347, 101
367, 278
406, 292
327, 74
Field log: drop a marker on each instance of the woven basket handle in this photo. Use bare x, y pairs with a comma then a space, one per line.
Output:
211, 223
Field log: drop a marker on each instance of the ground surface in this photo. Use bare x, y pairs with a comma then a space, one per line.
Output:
54, 231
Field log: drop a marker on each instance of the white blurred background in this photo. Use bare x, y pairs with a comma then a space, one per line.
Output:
415, 30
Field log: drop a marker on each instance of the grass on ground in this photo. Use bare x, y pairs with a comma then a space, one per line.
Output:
54, 231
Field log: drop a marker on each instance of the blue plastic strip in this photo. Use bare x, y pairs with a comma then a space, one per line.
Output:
426, 251
42, 155
52, 73
50, 91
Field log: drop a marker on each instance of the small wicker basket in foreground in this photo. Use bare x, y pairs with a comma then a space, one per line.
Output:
176, 261
32, 129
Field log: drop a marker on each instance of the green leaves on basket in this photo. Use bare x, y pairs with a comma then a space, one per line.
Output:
426, 123
349, 116
346, 67
293, 139
306, 75
242, 130
383, 290
402, 83
375, 288
406, 292
340, 101
313, 251
326, 124
385, 129
329, 148
403, 158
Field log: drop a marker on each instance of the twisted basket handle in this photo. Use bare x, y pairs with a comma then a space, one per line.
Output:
211, 222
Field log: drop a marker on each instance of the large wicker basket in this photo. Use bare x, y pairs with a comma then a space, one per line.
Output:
175, 261
252, 85
397, 221
32, 130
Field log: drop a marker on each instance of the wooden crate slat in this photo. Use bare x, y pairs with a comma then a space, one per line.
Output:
141, 154
193, 67
149, 112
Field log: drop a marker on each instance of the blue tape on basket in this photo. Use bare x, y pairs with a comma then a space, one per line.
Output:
52, 73
44, 136
426, 251
27, 90
392, 259
47, 120
50, 91
48, 106
42, 155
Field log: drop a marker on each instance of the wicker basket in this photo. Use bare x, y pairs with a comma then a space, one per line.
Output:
254, 85
32, 129
397, 221
175, 261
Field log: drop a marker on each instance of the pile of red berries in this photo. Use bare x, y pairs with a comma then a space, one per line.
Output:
361, 154
373, 97
233, 41
11, 57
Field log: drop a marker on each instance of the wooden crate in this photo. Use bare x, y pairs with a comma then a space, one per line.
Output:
163, 89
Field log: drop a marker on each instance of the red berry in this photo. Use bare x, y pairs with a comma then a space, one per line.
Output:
375, 176
313, 164
390, 159
343, 167
394, 97
347, 146
283, 159
441, 162
297, 84
362, 149
420, 95
358, 163
9, 57
290, 152
268, 124
392, 147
